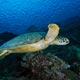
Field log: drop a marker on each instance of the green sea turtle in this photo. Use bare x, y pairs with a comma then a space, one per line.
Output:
35, 41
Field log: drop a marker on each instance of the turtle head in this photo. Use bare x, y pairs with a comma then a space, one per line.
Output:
60, 41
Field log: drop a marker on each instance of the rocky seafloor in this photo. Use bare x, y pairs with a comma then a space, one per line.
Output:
53, 63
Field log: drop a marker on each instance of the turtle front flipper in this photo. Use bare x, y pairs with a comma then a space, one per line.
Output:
52, 33
4, 53
60, 41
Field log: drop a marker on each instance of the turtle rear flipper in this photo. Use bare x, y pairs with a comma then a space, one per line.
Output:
4, 53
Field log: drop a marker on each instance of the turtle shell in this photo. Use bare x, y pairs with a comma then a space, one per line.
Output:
22, 39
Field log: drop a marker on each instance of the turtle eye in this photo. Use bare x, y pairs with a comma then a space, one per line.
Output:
66, 40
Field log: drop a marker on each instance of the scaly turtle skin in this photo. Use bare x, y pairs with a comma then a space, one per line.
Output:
31, 42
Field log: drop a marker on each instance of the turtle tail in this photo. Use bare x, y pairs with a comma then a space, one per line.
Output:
4, 53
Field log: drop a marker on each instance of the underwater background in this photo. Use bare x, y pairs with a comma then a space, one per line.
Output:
17, 16
22, 16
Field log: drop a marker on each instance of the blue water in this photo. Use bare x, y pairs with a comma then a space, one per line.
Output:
17, 16
21, 16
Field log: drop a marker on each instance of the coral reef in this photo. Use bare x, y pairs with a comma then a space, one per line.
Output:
40, 66
47, 67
